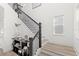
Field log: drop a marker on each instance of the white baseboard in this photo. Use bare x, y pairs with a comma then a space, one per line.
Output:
77, 54
38, 52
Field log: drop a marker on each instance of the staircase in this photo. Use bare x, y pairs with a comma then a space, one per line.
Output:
34, 27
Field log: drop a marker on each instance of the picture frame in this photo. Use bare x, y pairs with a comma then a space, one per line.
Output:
35, 5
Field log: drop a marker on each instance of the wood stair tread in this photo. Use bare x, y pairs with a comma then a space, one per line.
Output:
58, 49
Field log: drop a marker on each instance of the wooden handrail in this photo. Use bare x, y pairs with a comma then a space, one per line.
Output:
29, 17
40, 35
25, 13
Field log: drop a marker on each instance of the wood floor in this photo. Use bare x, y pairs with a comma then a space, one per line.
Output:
9, 53
50, 49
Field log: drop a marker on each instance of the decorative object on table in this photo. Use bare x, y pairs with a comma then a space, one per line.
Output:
26, 37
16, 24
20, 46
35, 5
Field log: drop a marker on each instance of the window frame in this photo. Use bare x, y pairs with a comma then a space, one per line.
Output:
54, 25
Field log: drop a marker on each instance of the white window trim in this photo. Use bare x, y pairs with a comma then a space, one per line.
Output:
57, 24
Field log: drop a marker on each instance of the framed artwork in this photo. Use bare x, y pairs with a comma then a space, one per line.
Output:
35, 5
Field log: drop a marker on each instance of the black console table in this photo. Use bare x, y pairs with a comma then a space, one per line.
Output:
20, 46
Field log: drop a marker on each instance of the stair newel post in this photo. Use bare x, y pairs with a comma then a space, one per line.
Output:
30, 46
40, 43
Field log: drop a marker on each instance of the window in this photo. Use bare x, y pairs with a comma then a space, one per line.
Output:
58, 25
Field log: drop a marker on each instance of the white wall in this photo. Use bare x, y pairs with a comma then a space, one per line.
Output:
1, 26
76, 29
10, 30
45, 14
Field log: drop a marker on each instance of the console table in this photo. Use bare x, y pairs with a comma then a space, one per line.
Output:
20, 46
